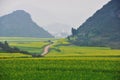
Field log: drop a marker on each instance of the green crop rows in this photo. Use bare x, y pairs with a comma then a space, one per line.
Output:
64, 62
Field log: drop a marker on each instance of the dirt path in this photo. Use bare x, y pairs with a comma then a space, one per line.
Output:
46, 50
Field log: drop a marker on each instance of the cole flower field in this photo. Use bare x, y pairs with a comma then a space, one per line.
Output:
63, 62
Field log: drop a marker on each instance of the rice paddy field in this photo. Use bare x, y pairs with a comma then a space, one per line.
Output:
63, 62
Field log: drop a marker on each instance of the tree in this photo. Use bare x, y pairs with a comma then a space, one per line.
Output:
5, 47
68, 37
74, 31
6, 44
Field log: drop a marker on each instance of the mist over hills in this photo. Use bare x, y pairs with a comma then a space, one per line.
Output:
102, 29
59, 30
20, 24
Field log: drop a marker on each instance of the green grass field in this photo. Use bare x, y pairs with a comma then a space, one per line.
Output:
64, 62
13, 55
32, 45
59, 69
22, 39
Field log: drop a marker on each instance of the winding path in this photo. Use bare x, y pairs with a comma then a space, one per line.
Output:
45, 51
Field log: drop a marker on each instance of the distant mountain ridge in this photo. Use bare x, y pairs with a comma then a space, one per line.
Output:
102, 29
20, 24
59, 30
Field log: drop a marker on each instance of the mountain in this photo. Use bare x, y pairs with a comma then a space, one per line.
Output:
59, 30
20, 24
102, 29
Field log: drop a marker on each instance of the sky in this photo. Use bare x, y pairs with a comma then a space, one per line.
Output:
47, 12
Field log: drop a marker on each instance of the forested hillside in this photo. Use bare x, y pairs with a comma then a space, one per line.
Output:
102, 29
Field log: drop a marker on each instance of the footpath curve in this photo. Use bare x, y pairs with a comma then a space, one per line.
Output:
45, 51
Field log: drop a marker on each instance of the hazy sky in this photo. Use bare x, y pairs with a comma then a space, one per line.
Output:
46, 12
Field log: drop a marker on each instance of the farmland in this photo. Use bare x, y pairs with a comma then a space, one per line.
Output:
64, 62
32, 45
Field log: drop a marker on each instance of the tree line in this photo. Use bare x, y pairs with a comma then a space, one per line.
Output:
4, 46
